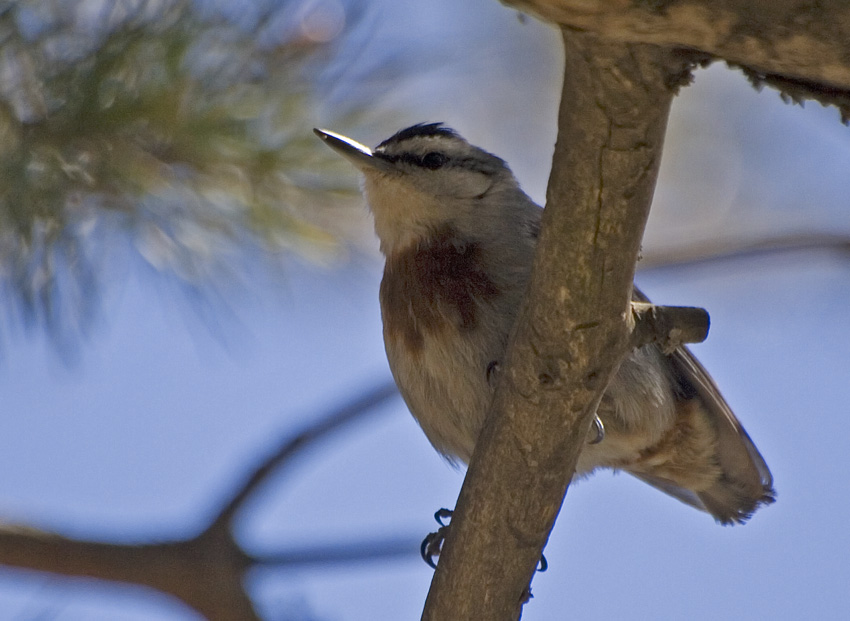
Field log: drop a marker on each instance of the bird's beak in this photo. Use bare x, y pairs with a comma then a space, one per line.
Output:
358, 154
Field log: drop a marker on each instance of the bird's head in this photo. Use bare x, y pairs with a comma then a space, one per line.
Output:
425, 178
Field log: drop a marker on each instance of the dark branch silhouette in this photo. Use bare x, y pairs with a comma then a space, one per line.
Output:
207, 571
334, 421
717, 251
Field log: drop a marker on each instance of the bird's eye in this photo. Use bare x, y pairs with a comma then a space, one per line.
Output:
433, 160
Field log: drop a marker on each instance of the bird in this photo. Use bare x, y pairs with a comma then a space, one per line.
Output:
458, 235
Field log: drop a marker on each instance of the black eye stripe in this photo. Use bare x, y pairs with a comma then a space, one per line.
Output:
434, 160
431, 160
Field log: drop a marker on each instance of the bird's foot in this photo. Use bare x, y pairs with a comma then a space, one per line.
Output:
432, 545
433, 542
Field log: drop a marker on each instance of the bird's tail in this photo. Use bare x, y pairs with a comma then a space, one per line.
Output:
707, 459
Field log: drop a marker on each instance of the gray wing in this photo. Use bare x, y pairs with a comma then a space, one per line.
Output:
745, 482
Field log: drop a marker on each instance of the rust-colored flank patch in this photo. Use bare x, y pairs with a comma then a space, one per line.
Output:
433, 285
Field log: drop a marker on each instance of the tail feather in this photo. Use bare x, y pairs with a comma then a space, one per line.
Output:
708, 461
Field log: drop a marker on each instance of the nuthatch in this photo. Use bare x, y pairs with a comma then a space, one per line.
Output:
459, 235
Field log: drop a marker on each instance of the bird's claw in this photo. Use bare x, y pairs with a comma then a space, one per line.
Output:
599, 431
432, 545
442, 514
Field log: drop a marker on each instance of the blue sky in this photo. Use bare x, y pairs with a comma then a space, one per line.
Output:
160, 414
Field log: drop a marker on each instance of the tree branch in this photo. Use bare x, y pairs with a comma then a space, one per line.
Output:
798, 46
716, 250
573, 330
206, 571
668, 327
203, 573
333, 421
338, 553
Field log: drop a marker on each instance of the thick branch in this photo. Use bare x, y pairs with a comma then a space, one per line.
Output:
205, 574
798, 44
573, 329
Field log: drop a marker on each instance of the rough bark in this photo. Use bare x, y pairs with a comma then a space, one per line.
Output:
797, 38
573, 329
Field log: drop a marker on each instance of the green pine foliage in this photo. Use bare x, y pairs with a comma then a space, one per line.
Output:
181, 134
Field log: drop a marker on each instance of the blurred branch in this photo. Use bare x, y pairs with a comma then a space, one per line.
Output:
206, 572
289, 448
335, 554
715, 251
796, 46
